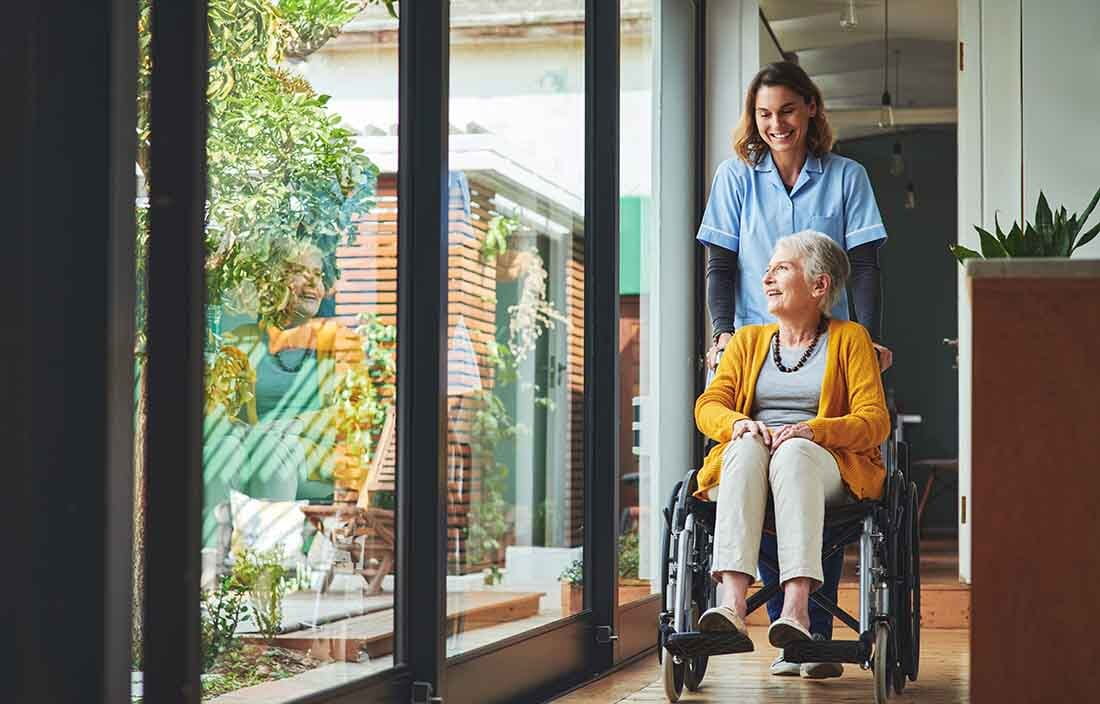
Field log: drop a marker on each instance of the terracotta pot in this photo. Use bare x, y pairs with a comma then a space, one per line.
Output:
572, 595
572, 598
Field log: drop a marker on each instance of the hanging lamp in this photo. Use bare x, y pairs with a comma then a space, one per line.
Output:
849, 21
886, 112
910, 197
897, 161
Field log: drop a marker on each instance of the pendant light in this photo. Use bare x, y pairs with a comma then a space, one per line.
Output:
849, 21
886, 112
910, 197
897, 162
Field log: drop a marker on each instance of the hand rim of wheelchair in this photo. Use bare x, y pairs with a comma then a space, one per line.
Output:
898, 629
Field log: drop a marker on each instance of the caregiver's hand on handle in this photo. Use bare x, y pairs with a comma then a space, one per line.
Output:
714, 354
885, 356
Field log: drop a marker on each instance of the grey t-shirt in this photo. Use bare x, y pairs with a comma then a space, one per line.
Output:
784, 398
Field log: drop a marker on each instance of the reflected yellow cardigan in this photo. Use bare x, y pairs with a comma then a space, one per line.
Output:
852, 420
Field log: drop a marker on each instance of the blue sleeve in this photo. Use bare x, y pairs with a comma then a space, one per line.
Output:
862, 221
722, 217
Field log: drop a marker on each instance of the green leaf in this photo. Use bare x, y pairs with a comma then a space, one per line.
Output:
1042, 212
997, 229
991, 246
1060, 239
1033, 245
1086, 238
1088, 211
1014, 243
962, 253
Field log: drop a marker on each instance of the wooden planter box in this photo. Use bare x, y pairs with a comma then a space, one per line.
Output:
1034, 480
572, 595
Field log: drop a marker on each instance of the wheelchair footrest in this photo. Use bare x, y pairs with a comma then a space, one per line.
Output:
695, 643
853, 651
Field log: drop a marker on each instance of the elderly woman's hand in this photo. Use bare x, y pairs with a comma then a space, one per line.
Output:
747, 426
798, 430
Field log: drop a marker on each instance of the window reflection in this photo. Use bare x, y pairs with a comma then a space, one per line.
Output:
515, 384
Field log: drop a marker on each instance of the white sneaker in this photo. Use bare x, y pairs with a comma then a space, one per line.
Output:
782, 668
821, 670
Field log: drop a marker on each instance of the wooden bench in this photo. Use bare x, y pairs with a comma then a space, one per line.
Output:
366, 532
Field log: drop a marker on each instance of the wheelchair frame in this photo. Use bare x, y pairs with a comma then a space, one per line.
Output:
889, 585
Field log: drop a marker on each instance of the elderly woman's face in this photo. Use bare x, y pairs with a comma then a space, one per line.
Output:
307, 287
786, 288
783, 118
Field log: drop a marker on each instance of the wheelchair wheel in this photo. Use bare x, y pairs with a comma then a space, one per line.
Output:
911, 645
672, 674
705, 597
666, 546
881, 663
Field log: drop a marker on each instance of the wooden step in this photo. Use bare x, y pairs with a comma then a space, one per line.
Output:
346, 639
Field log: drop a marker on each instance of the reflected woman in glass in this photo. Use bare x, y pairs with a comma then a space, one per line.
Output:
278, 444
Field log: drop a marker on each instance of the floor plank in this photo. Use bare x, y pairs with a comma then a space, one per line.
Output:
944, 679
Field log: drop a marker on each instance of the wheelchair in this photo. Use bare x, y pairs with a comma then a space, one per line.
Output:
889, 585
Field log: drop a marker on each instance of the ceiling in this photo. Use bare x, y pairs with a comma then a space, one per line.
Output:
848, 64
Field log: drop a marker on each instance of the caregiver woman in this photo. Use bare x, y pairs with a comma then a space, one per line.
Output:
783, 180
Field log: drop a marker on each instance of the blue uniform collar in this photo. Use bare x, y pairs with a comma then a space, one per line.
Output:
813, 163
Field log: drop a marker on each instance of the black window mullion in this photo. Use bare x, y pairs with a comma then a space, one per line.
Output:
175, 342
421, 338
601, 334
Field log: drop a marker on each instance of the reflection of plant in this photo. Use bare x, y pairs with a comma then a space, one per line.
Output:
496, 237
1054, 234
489, 520
628, 562
230, 381
574, 573
265, 579
628, 555
364, 391
221, 609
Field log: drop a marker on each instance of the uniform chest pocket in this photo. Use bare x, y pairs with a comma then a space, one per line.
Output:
830, 225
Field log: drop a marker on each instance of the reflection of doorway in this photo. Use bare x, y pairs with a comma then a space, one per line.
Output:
535, 401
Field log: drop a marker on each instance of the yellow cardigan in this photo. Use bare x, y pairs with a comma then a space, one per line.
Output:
852, 420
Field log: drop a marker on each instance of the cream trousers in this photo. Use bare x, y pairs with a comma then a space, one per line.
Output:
804, 479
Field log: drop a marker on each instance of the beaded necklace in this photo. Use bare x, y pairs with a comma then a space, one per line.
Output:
821, 326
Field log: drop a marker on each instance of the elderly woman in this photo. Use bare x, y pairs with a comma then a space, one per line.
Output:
796, 407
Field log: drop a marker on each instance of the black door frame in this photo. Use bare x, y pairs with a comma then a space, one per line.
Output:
531, 666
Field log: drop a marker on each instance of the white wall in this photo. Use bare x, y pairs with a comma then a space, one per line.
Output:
1027, 121
733, 58
1061, 106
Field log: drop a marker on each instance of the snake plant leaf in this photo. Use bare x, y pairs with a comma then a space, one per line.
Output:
991, 246
1088, 211
962, 253
1014, 243
1042, 213
997, 229
1085, 238
1033, 244
1060, 240
1072, 228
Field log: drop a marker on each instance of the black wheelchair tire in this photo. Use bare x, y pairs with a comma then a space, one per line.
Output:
913, 627
666, 537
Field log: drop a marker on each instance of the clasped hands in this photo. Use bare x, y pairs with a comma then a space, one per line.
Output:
772, 439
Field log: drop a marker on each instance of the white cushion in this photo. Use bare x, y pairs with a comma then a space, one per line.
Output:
262, 525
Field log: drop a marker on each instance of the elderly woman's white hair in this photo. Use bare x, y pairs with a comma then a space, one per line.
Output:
820, 255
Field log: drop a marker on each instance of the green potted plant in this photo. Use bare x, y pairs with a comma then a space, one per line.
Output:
1053, 234
631, 588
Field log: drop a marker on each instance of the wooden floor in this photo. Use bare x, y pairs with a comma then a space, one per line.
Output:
944, 679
